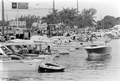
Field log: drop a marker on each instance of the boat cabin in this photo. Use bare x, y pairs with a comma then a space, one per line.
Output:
25, 49
6, 53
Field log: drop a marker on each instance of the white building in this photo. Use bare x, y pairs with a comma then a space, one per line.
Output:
19, 25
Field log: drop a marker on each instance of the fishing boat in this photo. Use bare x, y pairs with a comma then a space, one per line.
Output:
50, 67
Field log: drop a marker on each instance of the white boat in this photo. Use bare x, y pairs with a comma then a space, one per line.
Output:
16, 62
98, 52
17, 44
46, 41
60, 43
98, 49
19, 65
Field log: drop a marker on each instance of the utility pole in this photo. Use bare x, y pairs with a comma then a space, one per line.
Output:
7, 24
77, 14
102, 21
3, 17
17, 15
53, 12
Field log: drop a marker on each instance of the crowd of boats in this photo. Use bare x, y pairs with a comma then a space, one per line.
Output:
38, 53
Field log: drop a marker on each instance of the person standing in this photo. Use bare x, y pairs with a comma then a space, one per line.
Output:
26, 35
17, 34
48, 30
93, 37
21, 34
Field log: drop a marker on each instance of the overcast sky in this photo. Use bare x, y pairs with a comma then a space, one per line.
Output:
103, 7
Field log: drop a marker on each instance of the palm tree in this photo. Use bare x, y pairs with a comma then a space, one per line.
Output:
30, 19
88, 16
67, 16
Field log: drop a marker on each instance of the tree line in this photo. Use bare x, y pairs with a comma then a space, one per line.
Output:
108, 22
70, 17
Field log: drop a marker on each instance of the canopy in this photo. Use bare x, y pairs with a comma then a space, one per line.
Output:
40, 38
19, 41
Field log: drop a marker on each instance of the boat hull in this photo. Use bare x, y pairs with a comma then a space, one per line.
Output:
103, 50
62, 50
19, 65
50, 67
41, 69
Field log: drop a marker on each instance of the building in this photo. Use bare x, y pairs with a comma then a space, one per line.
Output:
20, 25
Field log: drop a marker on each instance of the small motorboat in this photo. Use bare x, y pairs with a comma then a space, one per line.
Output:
98, 52
50, 67
98, 49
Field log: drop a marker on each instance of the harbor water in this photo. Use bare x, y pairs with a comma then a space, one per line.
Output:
78, 68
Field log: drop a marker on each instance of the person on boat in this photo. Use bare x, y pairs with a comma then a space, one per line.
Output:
24, 50
17, 33
30, 49
34, 47
37, 49
48, 50
92, 38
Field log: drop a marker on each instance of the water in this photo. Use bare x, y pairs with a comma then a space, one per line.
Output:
78, 68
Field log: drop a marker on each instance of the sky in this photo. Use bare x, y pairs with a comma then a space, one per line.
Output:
103, 7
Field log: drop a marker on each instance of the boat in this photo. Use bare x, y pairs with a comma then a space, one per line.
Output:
98, 46
98, 49
17, 45
19, 65
50, 67
60, 43
16, 62
46, 41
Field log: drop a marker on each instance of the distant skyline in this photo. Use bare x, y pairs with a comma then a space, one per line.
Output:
103, 7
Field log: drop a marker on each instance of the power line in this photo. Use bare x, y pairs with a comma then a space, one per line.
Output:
43, 4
